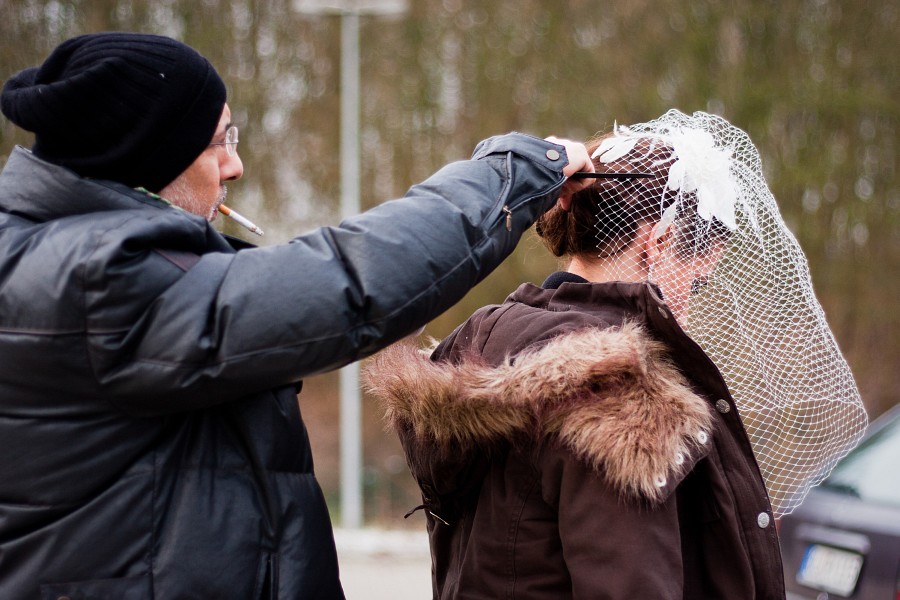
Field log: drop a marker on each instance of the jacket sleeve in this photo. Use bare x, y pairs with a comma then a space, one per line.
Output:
236, 324
615, 548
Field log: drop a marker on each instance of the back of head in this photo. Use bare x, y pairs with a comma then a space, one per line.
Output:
605, 217
128, 107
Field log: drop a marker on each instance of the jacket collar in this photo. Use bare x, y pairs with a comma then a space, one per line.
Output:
40, 191
617, 302
566, 291
560, 277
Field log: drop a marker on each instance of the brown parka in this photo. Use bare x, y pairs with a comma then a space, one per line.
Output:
574, 442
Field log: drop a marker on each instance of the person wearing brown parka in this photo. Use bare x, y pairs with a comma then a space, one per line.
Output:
575, 442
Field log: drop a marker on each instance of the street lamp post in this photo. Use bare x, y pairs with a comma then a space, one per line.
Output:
350, 398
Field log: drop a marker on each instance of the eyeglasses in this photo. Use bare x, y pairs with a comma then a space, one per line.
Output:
231, 140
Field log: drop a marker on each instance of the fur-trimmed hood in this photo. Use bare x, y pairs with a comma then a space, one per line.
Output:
610, 396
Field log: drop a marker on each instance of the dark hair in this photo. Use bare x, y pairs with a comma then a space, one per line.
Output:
605, 216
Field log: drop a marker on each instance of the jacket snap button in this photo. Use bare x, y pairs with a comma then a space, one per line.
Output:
763, 520
722, 406
702, 437
553, 154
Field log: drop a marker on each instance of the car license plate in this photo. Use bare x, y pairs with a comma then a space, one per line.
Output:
830, 570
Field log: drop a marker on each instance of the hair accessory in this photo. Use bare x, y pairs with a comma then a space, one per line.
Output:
608, 175
703, 168
697, 167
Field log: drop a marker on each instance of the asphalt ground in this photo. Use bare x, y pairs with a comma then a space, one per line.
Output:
383, 564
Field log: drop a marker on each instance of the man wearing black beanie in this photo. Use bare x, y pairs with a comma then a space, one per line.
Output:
153, 445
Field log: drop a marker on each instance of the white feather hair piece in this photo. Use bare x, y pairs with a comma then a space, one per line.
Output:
699, 167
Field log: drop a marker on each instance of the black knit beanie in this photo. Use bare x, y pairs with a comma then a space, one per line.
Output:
128, 107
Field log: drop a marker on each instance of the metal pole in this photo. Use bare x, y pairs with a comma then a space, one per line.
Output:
351, 403
350, 397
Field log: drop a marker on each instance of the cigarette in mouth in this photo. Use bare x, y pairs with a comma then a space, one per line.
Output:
236, 216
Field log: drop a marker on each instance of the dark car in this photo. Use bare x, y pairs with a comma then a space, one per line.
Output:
844, 540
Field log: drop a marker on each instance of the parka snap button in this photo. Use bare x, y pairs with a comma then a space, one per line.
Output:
763, 520
553, 154
722, 406
702, 437
679, 458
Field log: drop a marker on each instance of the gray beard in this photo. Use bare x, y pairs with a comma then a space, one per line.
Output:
182, 195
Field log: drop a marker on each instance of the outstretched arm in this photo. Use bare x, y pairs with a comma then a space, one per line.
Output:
239, 323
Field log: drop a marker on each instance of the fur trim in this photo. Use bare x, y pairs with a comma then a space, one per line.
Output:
609, 395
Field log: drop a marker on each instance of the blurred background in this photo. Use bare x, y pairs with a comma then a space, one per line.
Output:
814, 82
